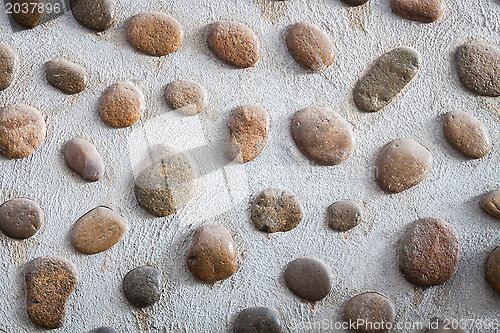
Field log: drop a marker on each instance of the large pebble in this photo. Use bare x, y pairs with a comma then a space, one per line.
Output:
370, 313
66, 76
121, 105
390, 73
8, 66
186, 96
257, 320
212, 255
429, 252
29, 13
425, 11
20, 218
493, 270
50, 280
97, 15
344, 215
309, 278
142, 286
83, 158
490, 203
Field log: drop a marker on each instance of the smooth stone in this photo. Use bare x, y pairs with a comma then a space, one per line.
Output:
155, 33
186, 96
234, 43
98, 230
490, 203
66, 76
142, 286
257, 320
82, 157
310, 46
323, 136
248, 132
121, 105
426, 11
344, 215
478, 65
493, 270
167, 181
98, 15
402, 164
22, 130
446, 327
106, 329
308, 278
370, 312
429, 252
30, 17
20, 218
276, 210
50, 280
8, 66
213, 255
390, 73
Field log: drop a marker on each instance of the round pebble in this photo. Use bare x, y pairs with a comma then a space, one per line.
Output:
490, 203
30, 13
426, 11
82, 157
97, 15
66, 76
344, 215
8, 66
493, 270
186, 96
20, 218
121, 105
308, 278
142, 286
257, 320
370, 313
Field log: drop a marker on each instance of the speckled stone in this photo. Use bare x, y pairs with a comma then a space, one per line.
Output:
370, 313
425, 11
344, 215
390, 73
493, 270
429, 252
98, 230
20, 218
490, 203
478, 65
142, 286
323, 136
310, 46
213, 255
308, 278
445, 327
30, 14
402, 164
155, 33
257, 320
167, 181
234, 43
82, 157
22, 130
8, 66
50, 280
121, 105
106, 329
98, 15
66, 76
276, 210
354, 3
248, 132
186, 96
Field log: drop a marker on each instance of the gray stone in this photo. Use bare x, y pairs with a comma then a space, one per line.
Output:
344, 215
309, 278
142, 286
20, 218
257, 320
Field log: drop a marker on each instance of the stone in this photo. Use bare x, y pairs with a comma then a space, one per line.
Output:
490, 203
29, 13
248, 132
66, 76
50, 280
402, 164
390, 73
22, 130
478, 65
20, 218
446, 327
154, 33
8, 66
276, 210
167, 181
310, 46
105, 329
257, 320
426, 11
323, 136
186, 96
82, 157
234, 43
98, 230
98, 15
213, 255
121, 105
354, 3
493, 270
370, 312
344, 215
308, 278
467, 134
142, 286
429, 252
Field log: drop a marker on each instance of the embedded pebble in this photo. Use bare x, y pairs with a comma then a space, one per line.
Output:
344, 215
20, 218
446, 327
97, 15
490, 203
310, 46
234, 43
50, 280
354, 3
30, 13
370, 313
276, 210
98, 230
212, 255
155, 33
186, 96
402, 164
22, 130
429, 252
66, 76
257, 320
142, 286
493, 270
425, 11
121, 105
308, 278
83, 158
106, 329
323, 136
248, 132
390, 73
8, 66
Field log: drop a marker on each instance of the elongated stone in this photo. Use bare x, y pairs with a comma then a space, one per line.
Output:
425, 11
83, 158
66, 76
493, 270
490, 203
8, 66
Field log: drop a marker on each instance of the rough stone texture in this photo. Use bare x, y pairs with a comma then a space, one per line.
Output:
446, 327
121, 105
257, 320
98, 15
8, 66
30, 14
344, 215
493, 270
66, 76
354, 3
142, 286
82, 157
490, 203
369, 309
20, 218
425, 11
308, 278
186, 96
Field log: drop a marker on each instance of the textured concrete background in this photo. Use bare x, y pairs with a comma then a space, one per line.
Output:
362, 260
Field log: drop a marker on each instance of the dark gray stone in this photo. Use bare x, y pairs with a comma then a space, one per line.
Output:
142, 286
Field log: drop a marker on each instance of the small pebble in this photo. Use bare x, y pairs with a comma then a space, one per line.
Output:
257, 320
66, 76
142, 286
354, 3
370, 313
446, 327
30, 12
121, 105
98, 15
186, 96
344, 215
426, 11
8, 66
106, 329
309, 278
82, 157
493, 270
490, 203
20, 218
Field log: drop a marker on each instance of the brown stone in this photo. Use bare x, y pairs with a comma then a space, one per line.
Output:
29, 13
370, 313
425, 11
257, 320
344, 215
121, 105
309, 278
82, 157
354, 3
20, 218
98, 15
186, 96
8, 66
493, 270
66, 76
490, 203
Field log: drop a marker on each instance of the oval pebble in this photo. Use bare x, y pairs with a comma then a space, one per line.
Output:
142, 286
186, 96
121, 105
98, 15
370, 313
257, 320
426, 11
66, 76
30, 13
493, 270
344, 215
490, 203
8, 66
82, 157
309, 278
20, 218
